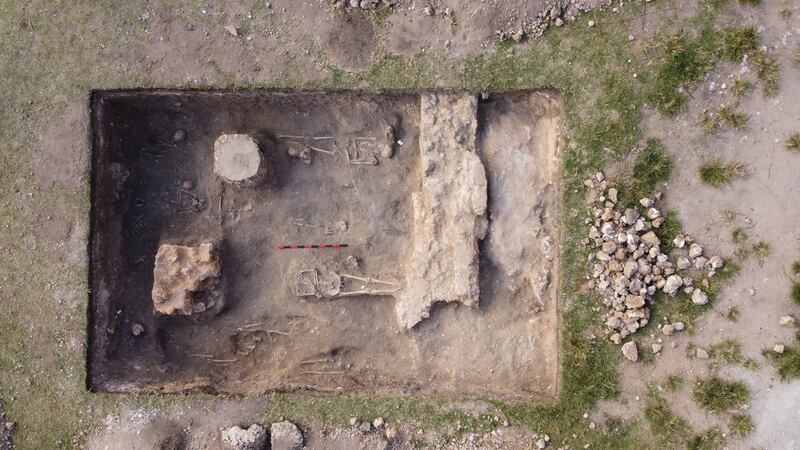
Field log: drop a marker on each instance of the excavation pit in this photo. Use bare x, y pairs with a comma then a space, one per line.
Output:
399, 243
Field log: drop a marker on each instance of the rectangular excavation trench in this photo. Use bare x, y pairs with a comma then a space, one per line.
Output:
447, 203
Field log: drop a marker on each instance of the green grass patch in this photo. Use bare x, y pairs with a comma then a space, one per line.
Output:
718, 173
732, 314
796, 269
718, 395
750, 2
740, 425
787, 363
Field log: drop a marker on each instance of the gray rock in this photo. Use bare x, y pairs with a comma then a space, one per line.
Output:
695, 250
650, 239
700, 262
646, 202
684, 263
630, 217
699, 297
656, 348
630, 351
252, 438
672, 285
678, 326
428, 11
285, 436
715, 262
700, 353
679, 241
365, 427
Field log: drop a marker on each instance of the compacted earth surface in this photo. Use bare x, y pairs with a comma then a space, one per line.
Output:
547, 224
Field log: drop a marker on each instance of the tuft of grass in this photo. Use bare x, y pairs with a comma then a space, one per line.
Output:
732, 314
766, 68
796, 268
739, 236
741, 87
717, 173
740, 425
787, 363
761, 249
750, 2
793, 141
718, 395
737, 42
796, 56
731, 118
726, 352
785, 13
709, 440
796, 293
673, 382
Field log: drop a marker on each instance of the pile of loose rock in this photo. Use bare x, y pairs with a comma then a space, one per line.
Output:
628, 264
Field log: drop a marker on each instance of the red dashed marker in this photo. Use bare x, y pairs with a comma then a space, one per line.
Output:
298, 247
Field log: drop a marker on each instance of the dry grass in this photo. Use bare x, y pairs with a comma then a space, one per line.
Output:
718, 173
793, 141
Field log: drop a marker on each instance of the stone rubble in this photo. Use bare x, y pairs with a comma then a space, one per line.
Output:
251, 438
285, 436
628, 266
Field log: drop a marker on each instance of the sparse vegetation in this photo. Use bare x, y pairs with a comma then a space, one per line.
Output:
741, 87
740, 425
793, 142
717, 173
732, 314
718, 395
673, 382
785, 13
750, 2
737, 42
796, 268
739, 236
731, 118
761, 249
710, 440
766, 68
726, 352
726, 115
652, 166
671, 429
796, 293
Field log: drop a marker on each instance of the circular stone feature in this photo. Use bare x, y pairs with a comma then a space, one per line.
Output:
238, 160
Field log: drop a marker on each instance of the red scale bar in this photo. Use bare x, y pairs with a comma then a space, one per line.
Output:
295, 247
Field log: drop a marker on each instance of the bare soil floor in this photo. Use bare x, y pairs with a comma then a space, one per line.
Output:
150, 188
